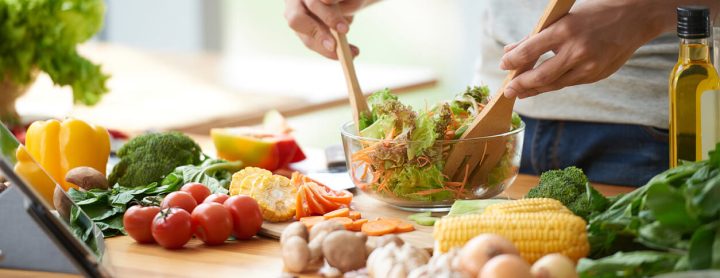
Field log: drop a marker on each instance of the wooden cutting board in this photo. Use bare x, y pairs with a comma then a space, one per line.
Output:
371, 209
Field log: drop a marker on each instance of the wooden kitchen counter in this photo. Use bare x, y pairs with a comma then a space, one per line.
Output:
259, 257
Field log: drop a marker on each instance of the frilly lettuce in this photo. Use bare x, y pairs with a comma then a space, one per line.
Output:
409, 164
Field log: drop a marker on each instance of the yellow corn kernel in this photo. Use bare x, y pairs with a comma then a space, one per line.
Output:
528, 206
534, 234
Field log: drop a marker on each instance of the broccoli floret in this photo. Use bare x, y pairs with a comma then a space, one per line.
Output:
149, 157
570, 186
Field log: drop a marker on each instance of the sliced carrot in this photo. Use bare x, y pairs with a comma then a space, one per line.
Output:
300, 204
315, 207
404, 227
344, 198
378, 227
347, 222
354, 215
340, 196
343, 212
321, 197
357, 224
310, 221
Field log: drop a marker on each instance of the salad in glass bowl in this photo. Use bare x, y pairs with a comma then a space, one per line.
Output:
399, 154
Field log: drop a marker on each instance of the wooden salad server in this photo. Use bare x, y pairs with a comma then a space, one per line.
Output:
472, 161
358, 104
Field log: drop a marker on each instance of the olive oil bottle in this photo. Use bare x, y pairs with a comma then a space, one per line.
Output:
692, 76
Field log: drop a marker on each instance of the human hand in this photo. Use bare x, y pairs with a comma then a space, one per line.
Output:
590, 43
313, 19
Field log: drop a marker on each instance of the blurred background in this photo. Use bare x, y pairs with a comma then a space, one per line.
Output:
192, 64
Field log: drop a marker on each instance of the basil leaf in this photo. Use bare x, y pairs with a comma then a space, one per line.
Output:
700, 254
668, 205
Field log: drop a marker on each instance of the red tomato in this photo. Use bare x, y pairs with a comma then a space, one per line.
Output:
198, 190
216, 198
179, 199
172, 228
246, 216
213, 223
138, 220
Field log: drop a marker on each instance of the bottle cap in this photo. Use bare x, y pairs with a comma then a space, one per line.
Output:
693, 22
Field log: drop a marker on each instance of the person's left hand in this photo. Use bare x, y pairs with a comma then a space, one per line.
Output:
590, 43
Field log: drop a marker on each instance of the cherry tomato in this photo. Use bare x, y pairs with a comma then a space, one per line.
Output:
138, 220
198, 190
213, 223
216, 198
246, 216
179, 199
172, 228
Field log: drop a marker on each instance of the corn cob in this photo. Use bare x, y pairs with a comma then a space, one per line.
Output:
534, 234
528, 206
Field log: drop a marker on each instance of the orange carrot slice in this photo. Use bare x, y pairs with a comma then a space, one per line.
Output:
343, 197
354, 215
357, 224
300, 204
310, 221
321, 197
347, 222
315, 207
378, 227
343, 212
404, 228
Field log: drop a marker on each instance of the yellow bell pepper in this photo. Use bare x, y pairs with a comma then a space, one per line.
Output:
62, 146
27, 169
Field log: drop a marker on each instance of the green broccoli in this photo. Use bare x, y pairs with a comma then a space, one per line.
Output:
150, 157
570, 186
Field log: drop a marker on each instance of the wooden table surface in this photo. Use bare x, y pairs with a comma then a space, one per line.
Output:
259, 257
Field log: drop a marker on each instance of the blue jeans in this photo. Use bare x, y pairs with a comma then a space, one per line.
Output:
620, 154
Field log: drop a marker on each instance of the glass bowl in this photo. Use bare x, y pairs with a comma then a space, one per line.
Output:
384, 170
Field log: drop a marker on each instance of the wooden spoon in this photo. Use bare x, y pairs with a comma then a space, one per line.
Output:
463, 160
357, 99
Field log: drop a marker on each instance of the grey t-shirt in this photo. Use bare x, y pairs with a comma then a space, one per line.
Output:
635, 94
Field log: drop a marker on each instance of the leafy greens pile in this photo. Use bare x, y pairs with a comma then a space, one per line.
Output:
670, 224
43, 34
407, 163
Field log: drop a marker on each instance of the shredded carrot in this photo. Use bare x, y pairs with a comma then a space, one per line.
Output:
378, 227
390, 134
467, 172
453, 183
342, 212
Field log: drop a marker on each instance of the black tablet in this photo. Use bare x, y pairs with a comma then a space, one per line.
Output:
68, 227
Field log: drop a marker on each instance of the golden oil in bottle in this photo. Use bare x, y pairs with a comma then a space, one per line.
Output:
691, 78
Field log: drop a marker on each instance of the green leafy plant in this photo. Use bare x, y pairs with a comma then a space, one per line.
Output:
43, 35
670, 224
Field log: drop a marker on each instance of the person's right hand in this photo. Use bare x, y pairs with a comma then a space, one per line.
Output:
313, 19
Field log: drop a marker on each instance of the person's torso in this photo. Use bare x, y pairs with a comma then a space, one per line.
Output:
635, 94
